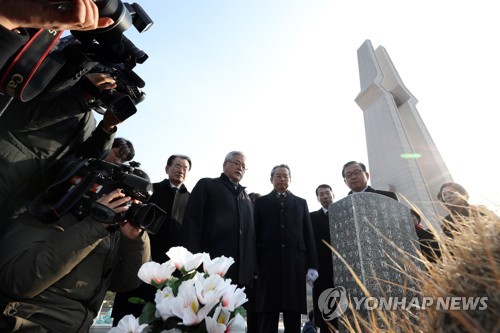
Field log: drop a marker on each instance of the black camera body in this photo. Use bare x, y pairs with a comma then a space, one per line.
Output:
78, 54
90, 179
120, 100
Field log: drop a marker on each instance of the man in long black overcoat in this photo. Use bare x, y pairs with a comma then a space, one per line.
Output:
286, 254
321, 228
219, 221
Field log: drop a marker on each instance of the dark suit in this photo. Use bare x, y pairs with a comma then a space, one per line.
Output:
219, 221
386, 193
321, 228
175, 205
285, 250
428, 244
169, 235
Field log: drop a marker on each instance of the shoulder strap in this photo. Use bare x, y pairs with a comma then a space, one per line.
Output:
16, 81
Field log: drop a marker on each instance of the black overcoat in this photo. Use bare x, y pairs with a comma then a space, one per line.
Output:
174, 205
285, 250
219, 221
321, 228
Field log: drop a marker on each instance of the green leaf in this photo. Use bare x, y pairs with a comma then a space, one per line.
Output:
241, 310
136, 300
148, 313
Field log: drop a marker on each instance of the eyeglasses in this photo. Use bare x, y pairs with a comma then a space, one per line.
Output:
285, 177
354, 173
239, 164
180, 167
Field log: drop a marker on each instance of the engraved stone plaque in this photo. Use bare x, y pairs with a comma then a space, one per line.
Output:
369, 231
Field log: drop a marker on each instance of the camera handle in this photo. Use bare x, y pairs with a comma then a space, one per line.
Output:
68, 201
102, 213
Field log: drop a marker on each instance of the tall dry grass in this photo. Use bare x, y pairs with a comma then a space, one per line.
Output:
469, 267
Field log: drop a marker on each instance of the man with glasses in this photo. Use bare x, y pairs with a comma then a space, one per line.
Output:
356, 178
170, 195
286, 255
219, 221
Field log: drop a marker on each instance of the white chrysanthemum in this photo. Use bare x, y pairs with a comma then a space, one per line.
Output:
209, 290
186, 306
213, 326
182, 258
236, 325
164, 299
154, 272
233, 297
218, 265
128, 324
220, 322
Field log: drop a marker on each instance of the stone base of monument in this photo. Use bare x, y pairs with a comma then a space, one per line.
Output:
374, 234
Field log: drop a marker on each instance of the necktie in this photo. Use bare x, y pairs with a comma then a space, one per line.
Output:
282, 198
326, 213
175, 189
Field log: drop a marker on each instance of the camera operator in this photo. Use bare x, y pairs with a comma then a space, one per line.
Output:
35, 135
54, 275
15, 15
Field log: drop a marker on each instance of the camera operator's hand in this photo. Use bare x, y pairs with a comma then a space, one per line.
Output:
83, 15
115, 201
95, 83
103, 81
130, 231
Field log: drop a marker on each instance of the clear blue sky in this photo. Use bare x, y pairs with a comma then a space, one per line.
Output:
277, 79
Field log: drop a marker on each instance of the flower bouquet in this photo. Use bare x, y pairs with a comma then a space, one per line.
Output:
195, 302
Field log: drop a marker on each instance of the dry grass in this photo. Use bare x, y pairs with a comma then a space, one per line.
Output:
469, 267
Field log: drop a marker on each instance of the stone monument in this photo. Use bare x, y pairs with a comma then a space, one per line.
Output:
402, 155
369, 231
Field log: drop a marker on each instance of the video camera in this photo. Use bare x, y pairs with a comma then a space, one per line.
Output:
89, 179
34, 74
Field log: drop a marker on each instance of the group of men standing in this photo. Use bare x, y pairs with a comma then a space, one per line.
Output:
275, 242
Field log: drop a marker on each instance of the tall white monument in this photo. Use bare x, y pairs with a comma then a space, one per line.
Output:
402, 156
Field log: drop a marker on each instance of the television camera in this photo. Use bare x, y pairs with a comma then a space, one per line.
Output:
87, 180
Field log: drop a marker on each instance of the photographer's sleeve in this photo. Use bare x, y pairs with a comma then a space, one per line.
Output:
99, 142
10, 43
132, 254
39, 255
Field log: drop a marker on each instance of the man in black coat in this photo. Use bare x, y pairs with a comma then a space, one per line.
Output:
170, 195
321, 228
219, 221
286, 255
356, 178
